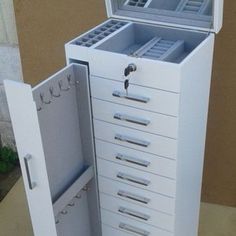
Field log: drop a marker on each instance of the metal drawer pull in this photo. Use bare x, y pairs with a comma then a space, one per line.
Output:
135, 141
133, 229
133, 197
132, 97
132, 160
133, 179
131, 119
133, 213
32, 185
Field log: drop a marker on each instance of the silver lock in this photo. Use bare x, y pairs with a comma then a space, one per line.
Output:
130, 68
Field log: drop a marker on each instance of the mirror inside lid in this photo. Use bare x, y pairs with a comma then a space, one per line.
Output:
200, 14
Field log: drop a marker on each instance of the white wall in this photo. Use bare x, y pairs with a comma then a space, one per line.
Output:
10, 66
7, 23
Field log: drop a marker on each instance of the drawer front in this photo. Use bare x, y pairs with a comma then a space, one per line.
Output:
128, 225
109, 231
139, 97
136, 178
135, 118
136, 212
136, 195
136, 139
152, 73
136, 159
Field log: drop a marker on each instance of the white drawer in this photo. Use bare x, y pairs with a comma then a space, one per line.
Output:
136, 178
136, 212
131, 226
135, 118
136, 139
109, 231
136, 195
146, 98
152, 73
136, 159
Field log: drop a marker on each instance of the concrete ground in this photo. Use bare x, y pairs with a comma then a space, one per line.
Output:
15, 221
8, 180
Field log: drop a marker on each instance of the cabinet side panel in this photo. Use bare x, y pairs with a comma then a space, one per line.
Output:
28, 140
87, 139
218, 15
194, 100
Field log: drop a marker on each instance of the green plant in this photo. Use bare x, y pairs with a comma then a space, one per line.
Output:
8, 159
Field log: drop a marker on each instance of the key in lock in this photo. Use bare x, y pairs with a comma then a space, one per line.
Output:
128, 70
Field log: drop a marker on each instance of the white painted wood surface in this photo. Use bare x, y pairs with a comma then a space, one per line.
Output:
156, 184
154, 218
160, 101
73, 190
108, 231
171, 146
150, 73
156, 201
114, 220
28, 140
157, 145
130, 117
192, 133
157, 165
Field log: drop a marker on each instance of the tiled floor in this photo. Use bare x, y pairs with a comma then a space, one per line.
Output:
14, 217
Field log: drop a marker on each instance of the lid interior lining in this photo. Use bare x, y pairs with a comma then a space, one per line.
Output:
196, 13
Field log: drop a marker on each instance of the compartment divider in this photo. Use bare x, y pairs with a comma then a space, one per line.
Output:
138, 3
174, 51
146, 47
73, 190
193, 6
100, 33
161, 49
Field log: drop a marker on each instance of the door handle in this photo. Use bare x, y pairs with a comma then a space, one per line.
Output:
133, 213
133, 179
132, 97
133, 229
132, 160
27, 158
133, 197
131, 119
135, 141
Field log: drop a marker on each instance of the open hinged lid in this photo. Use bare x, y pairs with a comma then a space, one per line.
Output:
205, 15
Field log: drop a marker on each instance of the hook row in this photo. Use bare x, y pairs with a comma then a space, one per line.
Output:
71, 204
63, 86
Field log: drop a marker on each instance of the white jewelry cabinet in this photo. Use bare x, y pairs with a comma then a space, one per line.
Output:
113, 144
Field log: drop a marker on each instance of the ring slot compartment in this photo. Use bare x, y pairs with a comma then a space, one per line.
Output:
153, 42
194, 6
137, 3
161, 49
98, 34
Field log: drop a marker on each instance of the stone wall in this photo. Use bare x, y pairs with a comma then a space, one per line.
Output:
10, 66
